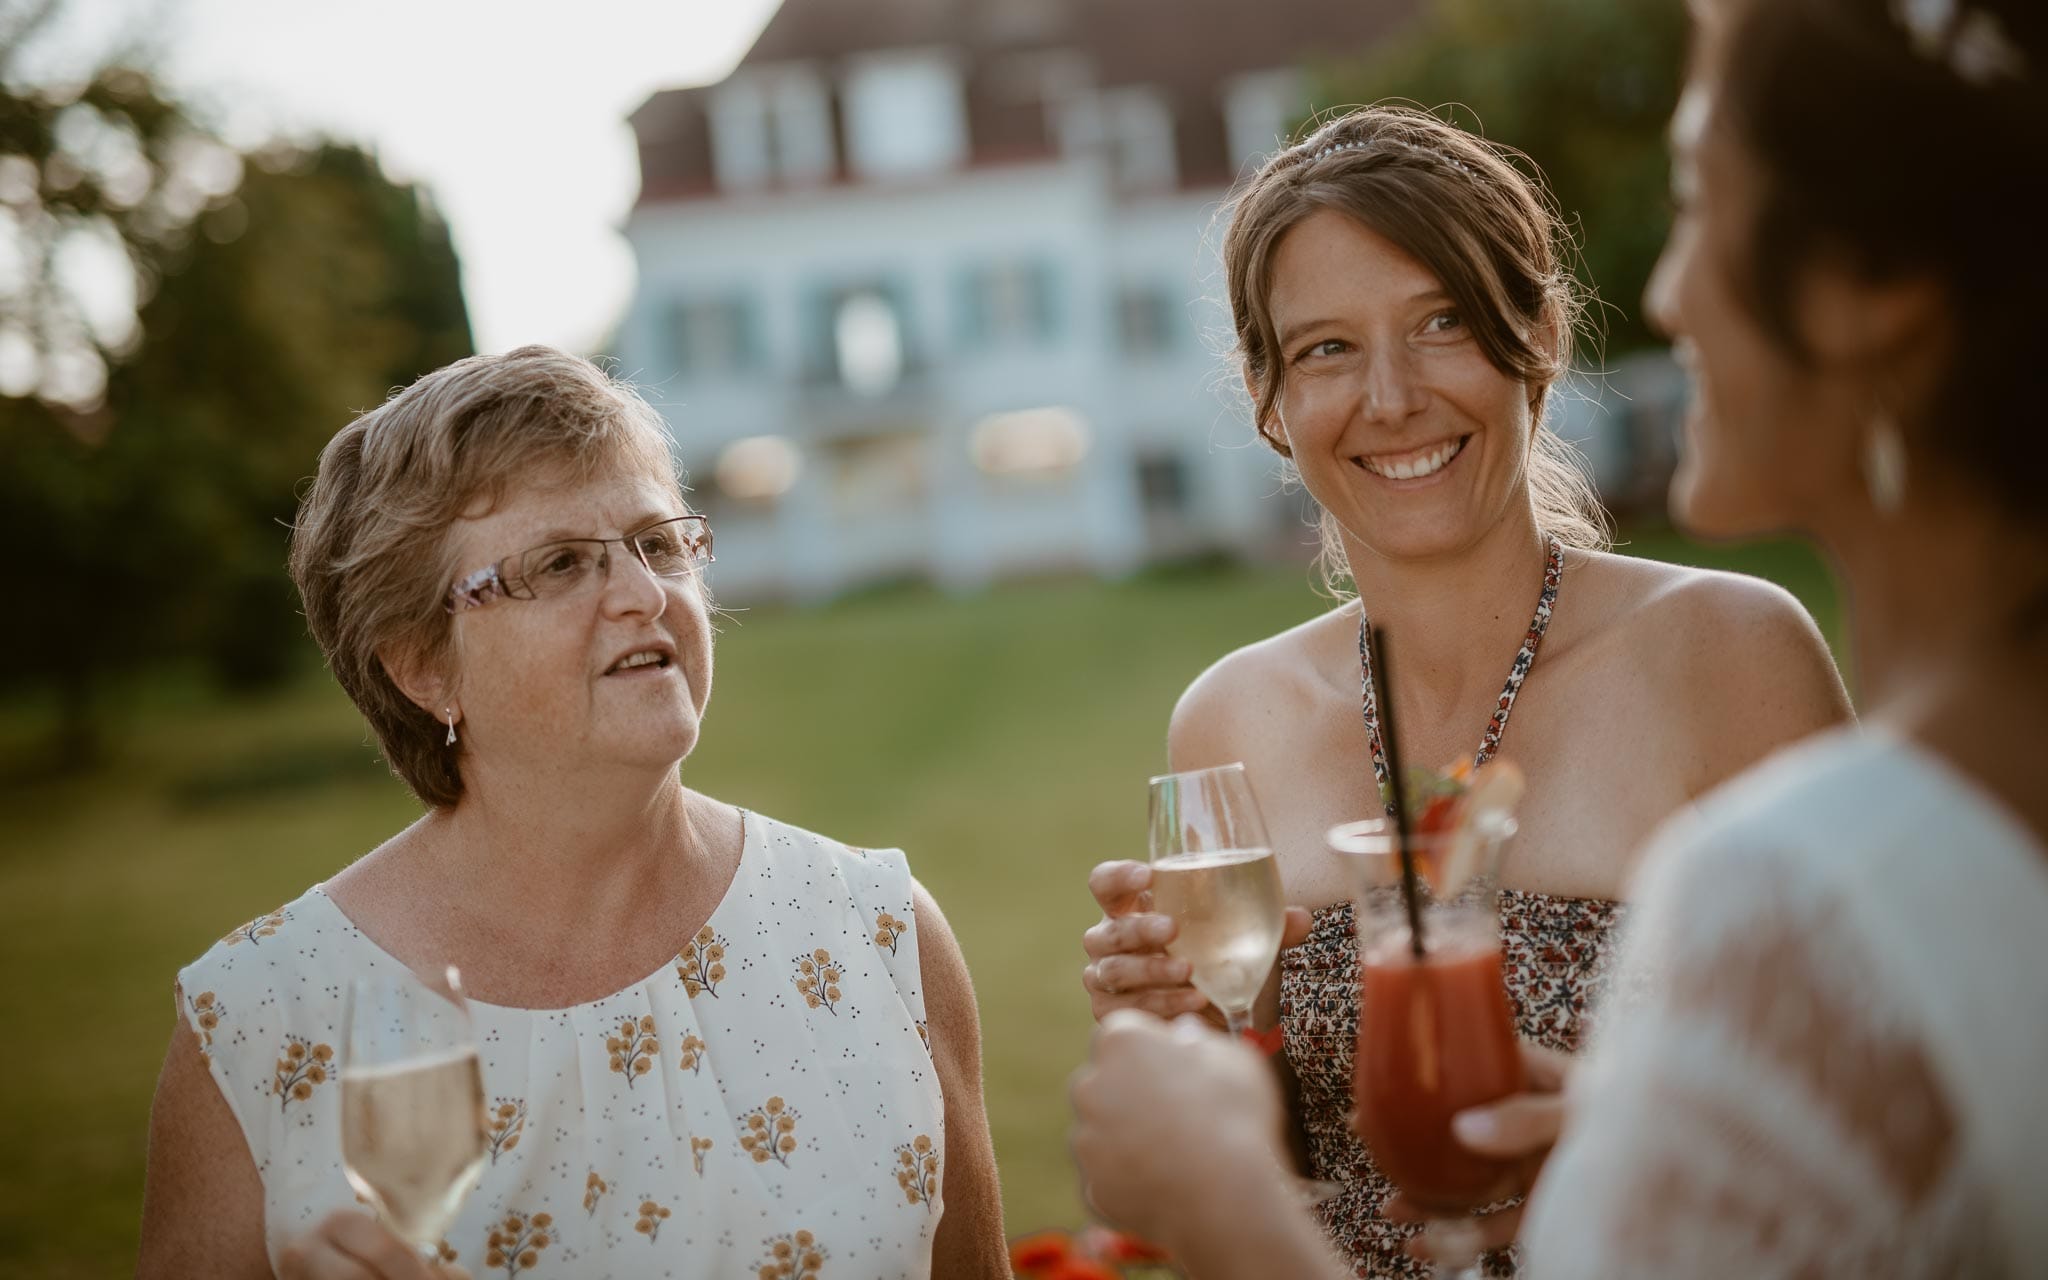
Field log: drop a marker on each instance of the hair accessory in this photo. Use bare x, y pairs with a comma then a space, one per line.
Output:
1366, 144
450, 713
1970, 42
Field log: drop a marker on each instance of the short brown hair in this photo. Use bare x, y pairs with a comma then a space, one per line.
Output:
368, 550
1457, 205
1901, 154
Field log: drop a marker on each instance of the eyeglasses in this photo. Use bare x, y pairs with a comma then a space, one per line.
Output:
671, 548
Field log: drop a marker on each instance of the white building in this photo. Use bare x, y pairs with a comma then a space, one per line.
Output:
928, 288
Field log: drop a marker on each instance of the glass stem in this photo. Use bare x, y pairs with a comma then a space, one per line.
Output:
1237, 1021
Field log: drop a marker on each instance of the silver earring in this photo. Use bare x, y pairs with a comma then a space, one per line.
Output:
1884, 464
450, 713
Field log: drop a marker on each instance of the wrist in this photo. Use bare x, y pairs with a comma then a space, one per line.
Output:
1244, 1220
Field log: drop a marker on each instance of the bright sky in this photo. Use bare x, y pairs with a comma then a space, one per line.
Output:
511, 111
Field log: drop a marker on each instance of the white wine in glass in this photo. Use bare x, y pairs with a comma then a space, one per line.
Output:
1213, 872
413, 1129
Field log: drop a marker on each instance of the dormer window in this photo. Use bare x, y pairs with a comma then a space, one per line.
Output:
772, 125
906, 115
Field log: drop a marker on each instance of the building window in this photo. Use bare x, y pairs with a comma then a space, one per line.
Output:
1029, 442
1164, 486
1137, 131
1258, 111
1146, 322
863, 340
771, 125
758, 469
1012, 303
712, 337
906, 115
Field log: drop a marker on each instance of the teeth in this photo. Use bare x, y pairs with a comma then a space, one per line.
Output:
1414, 468
647, 658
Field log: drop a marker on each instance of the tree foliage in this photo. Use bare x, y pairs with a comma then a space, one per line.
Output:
149, 514
1584, 88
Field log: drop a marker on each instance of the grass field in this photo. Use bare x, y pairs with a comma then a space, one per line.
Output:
1002, 739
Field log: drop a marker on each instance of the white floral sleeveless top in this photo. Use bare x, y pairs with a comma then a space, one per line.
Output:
762, 1106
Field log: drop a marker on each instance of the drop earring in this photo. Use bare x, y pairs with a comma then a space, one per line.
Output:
450, 713
1884, 464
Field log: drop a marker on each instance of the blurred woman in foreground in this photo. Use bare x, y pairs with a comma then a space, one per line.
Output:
1835, 1068
712, 1043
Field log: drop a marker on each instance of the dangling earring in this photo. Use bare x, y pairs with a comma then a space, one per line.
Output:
450, 713
1884, 464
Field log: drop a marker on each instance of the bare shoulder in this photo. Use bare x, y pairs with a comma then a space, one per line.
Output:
1725, 619
1268, 682
1738, 659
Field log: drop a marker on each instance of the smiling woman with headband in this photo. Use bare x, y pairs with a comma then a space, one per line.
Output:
1403, 315
504, 576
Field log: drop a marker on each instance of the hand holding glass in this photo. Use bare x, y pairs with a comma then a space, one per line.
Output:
1213, 872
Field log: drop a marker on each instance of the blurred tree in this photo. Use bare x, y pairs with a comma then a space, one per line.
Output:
148, 504
1584, 87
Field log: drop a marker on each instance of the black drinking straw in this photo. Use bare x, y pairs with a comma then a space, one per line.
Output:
1382, 697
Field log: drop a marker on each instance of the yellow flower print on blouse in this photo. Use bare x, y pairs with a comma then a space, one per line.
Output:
701, 963
692, 1056
516, 1240
508, 1121
698, 1146
888, 929
652, 1215
207, 1011
796, 1256
594, 1188
257, 930
303, 1065
917, 1170
634, 1048
768, 1132
817, 981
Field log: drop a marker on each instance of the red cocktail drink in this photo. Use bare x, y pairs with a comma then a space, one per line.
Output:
1435, 1036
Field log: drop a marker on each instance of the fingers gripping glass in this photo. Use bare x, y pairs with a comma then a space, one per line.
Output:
671, 548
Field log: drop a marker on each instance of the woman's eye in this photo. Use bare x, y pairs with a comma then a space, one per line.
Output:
1327, 347
564, 560
1444, 322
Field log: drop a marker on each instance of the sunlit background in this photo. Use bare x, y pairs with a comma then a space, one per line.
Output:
927, 292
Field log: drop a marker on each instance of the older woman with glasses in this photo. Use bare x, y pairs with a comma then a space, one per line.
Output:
501, 570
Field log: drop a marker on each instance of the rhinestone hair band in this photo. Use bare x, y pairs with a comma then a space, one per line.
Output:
1366, 144
1970, 42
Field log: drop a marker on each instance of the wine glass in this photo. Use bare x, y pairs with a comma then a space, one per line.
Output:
1435, 1032
1213, 871
413, 1129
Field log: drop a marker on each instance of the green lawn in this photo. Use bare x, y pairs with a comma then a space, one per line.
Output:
1003, 740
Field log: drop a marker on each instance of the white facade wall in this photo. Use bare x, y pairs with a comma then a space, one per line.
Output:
961, 527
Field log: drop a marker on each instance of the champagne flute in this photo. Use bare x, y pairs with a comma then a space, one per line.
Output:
1435, 1031
413, 1129
1213, 872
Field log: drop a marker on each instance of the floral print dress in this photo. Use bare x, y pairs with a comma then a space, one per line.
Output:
764, 1105
1555, 957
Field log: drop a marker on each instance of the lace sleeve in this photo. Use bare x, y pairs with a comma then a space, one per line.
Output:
1761, 1103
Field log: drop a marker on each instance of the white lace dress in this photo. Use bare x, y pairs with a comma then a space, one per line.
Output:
763, 1105
1828, 1051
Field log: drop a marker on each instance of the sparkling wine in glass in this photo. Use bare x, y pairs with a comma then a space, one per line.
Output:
1213, 871
413, 1129
1436, 1034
